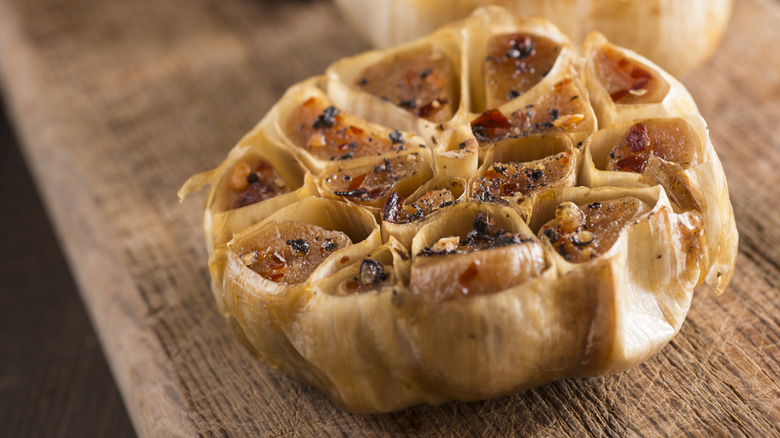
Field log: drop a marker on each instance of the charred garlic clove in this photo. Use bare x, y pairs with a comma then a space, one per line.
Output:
625, 86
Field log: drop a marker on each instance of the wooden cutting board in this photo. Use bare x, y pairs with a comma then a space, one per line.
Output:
117, 103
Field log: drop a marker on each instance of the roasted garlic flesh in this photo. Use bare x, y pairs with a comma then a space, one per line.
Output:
249, 183
288, 252
523, 179
581, 233
371, 184
561, 109
516, 62
669, 139
486, 259
626, 80
328, 134
420, 82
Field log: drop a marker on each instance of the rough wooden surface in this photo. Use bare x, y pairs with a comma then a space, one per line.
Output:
54, 380
119, 102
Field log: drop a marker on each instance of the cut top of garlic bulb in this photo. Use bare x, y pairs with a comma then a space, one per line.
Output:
471, 214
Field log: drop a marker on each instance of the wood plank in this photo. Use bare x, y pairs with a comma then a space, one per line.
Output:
57, 383
119, 102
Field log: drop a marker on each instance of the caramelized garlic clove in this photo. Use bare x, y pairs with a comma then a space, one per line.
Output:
619, 155
627, 80
508, 57
516, 62
291, 244
580, 233
516, 169
671, 140
320, 133
288, 252
422, 82
413, 87
370, 182
624, 85
489, 271
474, 249
558, 108
402, 218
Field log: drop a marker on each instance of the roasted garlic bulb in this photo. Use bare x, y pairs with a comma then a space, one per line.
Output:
469, 215
678, 35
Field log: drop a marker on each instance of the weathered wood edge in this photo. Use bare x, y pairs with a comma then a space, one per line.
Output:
92, 252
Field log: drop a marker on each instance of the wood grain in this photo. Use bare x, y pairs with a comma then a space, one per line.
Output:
119, 102
54, 380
